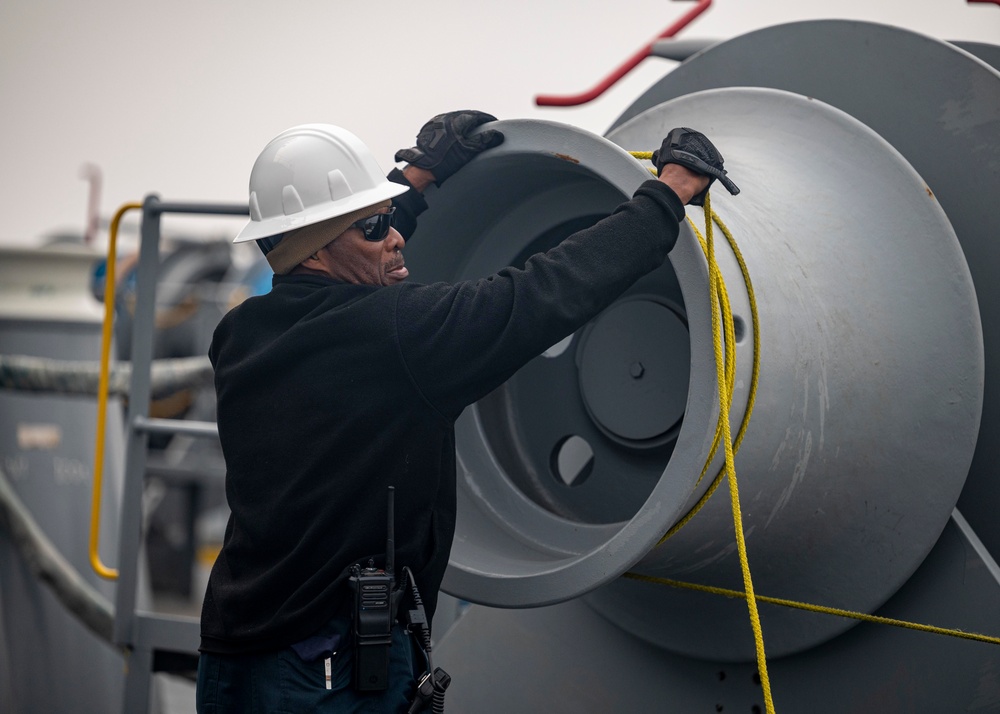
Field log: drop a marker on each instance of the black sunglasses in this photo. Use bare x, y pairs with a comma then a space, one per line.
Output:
376, 227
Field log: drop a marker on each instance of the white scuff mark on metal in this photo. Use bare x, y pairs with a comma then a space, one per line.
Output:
727, 550
798, 474
804, 440
805, 398
776, 460
824, 400
467, 475
708, 545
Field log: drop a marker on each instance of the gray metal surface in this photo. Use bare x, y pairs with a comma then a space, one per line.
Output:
990, 54
50, 285
48, 661
870, 386
680, 49
566, 658
937, 105
863, 293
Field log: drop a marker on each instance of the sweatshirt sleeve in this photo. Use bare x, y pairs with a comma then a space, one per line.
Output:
461, 341
408, 205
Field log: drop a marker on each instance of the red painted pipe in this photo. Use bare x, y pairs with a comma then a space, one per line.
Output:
995, 2
548, 100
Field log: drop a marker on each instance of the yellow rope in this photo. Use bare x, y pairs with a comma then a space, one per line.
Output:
730, 349
730, 353
725, 386
725, 369
864, 617
645, 156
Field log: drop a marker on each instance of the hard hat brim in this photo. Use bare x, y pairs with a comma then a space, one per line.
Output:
255, 230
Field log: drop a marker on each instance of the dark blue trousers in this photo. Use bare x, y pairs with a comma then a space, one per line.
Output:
283, 683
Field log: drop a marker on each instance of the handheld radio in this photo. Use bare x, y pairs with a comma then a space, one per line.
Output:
373, 615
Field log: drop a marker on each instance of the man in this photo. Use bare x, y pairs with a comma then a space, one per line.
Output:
346, 379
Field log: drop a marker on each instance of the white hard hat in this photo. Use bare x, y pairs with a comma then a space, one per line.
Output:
311, 173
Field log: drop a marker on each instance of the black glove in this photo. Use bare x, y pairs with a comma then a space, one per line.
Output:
692, 149
444, 144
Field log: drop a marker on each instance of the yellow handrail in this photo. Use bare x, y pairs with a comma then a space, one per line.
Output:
102, 396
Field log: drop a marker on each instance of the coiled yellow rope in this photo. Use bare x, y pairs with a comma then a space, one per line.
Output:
724, 342
730, 354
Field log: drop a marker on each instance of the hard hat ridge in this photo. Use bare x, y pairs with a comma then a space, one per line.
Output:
311, 173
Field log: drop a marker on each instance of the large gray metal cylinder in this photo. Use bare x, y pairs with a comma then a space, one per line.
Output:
49, 662
938, 104
868, 402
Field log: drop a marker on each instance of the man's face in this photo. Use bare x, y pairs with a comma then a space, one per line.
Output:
352, 259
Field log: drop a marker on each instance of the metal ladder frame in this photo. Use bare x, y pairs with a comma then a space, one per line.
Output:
149, 639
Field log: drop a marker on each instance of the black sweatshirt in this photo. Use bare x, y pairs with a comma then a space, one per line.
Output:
330, 392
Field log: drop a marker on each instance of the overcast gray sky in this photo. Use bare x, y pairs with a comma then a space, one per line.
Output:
178, 98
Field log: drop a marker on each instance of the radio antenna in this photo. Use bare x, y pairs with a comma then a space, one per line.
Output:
390, 545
